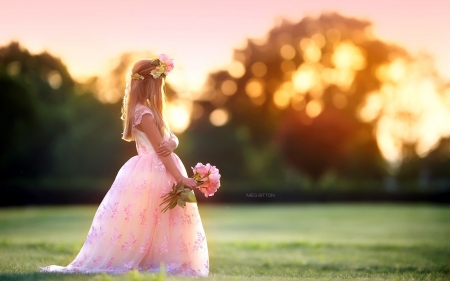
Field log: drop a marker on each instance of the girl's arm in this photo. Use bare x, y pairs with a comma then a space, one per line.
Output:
148, 126
166, 147
174, 139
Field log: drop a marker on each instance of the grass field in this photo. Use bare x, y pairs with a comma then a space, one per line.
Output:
270, 242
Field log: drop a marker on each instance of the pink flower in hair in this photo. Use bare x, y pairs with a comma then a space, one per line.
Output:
164, 64
167, 62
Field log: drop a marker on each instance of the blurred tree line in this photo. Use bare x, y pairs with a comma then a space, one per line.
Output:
53, 128
285, 115
294, 103
280, 106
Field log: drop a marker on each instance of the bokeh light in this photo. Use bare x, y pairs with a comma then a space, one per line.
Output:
348, 56
311, 51
219, 117
254, 88
236, 69
13, 68
281, 99
259, 69
54, 79
314, 108
228, 87
287, 52
319, 40
306, 78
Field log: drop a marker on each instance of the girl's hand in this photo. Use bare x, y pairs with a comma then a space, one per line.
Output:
166, 148
189, 183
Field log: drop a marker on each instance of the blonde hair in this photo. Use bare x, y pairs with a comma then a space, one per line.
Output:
149, 92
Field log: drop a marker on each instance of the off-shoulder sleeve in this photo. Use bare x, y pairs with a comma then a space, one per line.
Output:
138, 115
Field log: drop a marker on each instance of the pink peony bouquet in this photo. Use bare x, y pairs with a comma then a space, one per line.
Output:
208, 179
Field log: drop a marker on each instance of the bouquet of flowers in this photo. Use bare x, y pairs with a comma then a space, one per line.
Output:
208, 179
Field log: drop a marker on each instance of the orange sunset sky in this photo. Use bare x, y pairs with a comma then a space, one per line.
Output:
201, 34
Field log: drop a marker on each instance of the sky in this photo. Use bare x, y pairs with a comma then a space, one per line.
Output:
201, 34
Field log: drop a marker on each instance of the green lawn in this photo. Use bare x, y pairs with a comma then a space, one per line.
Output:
270, 242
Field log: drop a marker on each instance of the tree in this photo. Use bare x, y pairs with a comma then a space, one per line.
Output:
303, 85
53, 127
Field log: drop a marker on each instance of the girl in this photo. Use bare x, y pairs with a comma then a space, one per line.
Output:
129, 231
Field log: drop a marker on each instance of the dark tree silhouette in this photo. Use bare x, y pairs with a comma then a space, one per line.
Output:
51, 127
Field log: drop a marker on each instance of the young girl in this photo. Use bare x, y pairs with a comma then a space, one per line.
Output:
129, 231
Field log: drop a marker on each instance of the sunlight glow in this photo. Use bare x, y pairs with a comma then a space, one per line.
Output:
348, 56
372, 108
410, 106
388, 144
306, 78
178, 115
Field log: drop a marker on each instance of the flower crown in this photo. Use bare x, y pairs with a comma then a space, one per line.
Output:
164, 66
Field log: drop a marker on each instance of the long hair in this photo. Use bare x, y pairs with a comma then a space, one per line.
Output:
149, 92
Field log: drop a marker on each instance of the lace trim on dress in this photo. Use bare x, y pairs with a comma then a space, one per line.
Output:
138, 116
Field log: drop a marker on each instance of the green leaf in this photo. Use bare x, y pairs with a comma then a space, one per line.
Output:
184, 196
180, 202
168, 197
191, 197
173, 204
166, 201
165, 209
